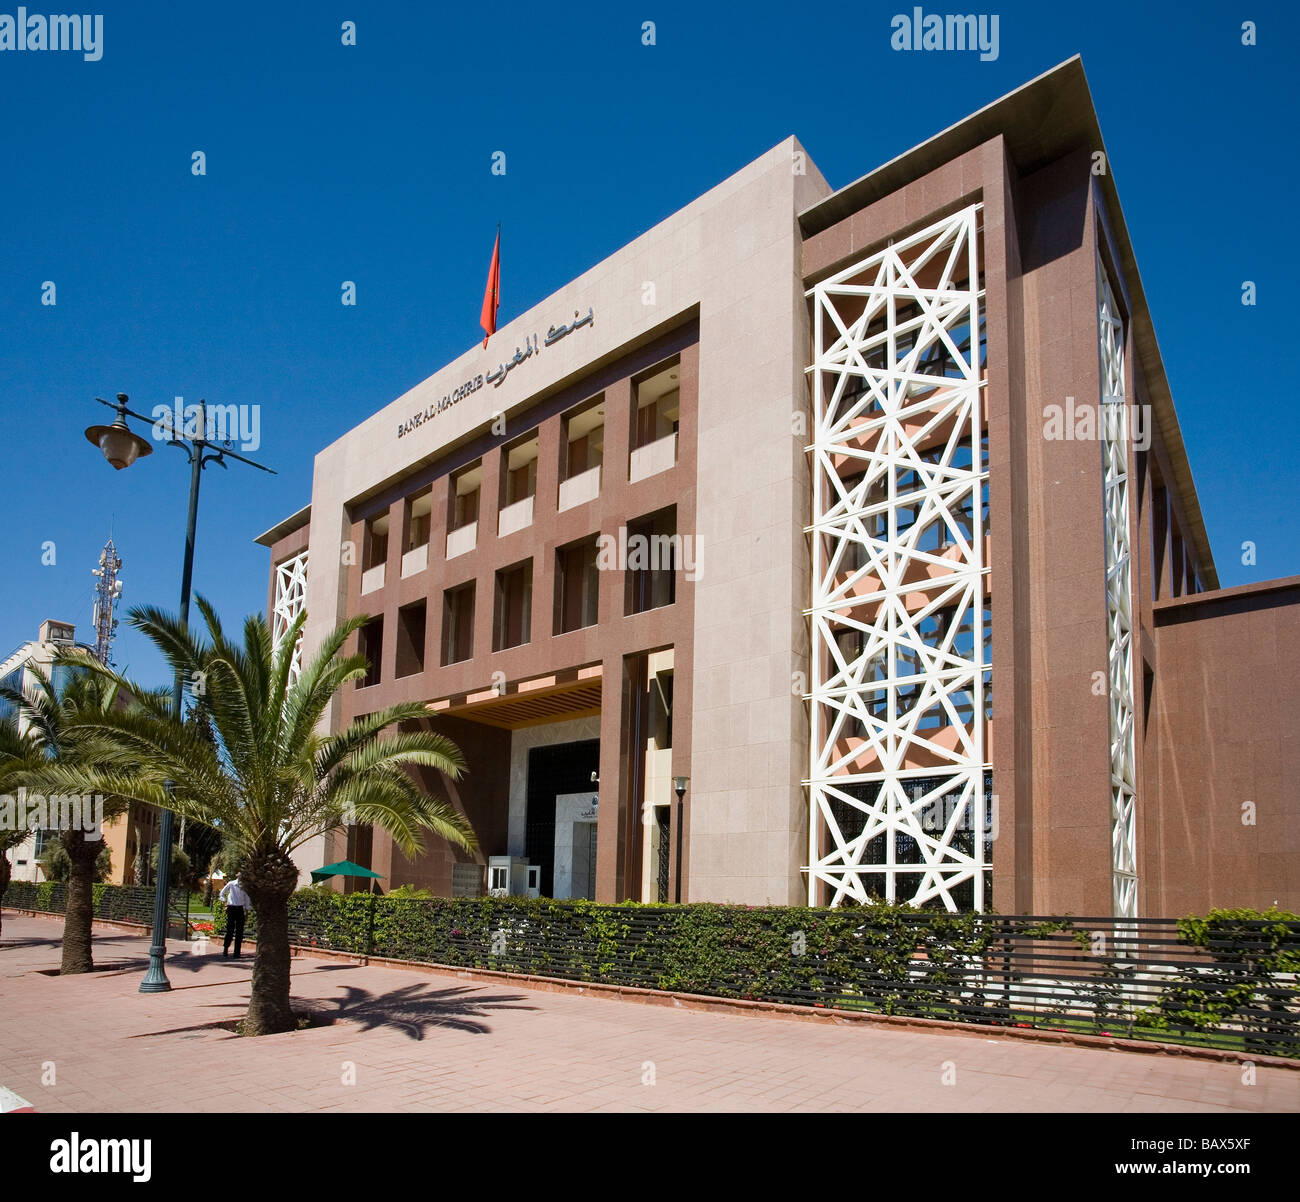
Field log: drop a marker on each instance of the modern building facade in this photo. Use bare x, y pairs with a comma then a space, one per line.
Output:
863, 516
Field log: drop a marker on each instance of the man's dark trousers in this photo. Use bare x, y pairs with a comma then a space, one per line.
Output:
234, 928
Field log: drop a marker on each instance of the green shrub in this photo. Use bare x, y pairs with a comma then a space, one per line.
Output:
1248, 984
409, 893
889, 959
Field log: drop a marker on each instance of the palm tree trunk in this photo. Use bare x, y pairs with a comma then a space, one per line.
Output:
270, 878
269, 1008
81, 903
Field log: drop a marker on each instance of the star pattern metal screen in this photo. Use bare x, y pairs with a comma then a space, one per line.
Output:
290, 601
900, 696
1119, 605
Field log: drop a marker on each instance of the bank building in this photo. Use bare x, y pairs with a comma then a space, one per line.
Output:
821, 546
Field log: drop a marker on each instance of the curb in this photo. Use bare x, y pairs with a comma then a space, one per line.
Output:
704, 1002
104, 924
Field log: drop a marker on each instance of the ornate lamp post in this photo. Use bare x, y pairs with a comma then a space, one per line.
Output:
679, 787
122, 447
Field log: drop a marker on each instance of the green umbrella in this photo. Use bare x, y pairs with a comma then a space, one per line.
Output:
342, 868
348, 868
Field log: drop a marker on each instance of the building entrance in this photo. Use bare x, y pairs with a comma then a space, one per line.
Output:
557, 771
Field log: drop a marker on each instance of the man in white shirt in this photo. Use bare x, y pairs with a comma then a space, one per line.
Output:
236, 907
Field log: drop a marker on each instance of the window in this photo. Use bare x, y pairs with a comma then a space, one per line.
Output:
419, 512
661, 710
410, 638
1159, 538
514, 600
1178, 560
854, 555
577, 584
371, 645
584, 439
464, 496
656, 402
519, 474
458, 624
851, 643
376, 542
653, 556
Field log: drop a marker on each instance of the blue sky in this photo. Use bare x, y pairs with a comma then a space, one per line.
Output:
371, 163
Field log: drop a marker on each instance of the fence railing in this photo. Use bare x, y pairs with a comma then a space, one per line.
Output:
1135, 978
113, 903
1227, 985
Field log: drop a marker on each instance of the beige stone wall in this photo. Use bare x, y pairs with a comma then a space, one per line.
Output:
732, 257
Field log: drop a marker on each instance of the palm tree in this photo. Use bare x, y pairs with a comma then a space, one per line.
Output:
272, 778
17, 753
60, 748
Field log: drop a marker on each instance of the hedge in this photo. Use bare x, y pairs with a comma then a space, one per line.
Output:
113, 903
1226, 980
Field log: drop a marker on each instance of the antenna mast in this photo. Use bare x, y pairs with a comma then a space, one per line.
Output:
108, 590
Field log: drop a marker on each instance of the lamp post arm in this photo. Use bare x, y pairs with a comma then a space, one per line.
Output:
120, 407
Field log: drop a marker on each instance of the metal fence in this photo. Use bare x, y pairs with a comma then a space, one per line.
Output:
1229, 984
112, 903
1139, 979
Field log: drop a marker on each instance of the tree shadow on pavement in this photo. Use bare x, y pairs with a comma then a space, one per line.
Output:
215, 1026
417, 1008
7, 944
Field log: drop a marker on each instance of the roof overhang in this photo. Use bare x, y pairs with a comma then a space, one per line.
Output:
1039, 122
556, 698
294, 522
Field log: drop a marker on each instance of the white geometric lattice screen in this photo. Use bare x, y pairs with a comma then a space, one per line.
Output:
290, 601
900, 781
1119, 613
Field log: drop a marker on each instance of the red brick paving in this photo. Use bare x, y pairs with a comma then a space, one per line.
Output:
434, 1041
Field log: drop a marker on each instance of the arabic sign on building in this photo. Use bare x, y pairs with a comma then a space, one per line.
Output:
497, 376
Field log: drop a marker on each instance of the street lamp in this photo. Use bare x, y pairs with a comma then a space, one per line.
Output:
122, 447
679, 787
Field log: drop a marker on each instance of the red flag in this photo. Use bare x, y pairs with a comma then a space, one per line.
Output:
492, 294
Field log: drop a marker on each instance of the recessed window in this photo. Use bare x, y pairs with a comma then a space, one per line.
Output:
577, 586
653, 557
458, 624
464, 496
514, 600
584, 439
376, 542
661, 709
371, 645
419, 512
519, 471
656, 402
410, 638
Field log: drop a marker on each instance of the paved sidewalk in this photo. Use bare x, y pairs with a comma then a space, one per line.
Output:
416, 1041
